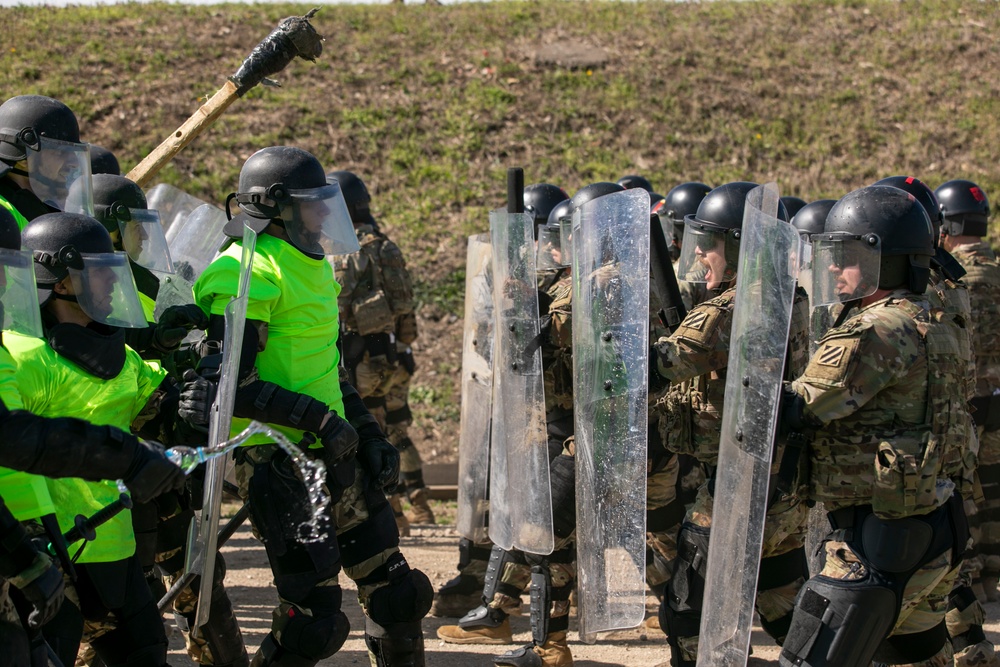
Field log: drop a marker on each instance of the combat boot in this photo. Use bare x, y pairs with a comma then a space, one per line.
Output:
402, 524
479, 634
553, 653
458, 596
420, 509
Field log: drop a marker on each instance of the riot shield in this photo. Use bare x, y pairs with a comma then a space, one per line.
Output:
520, 494
173, 204
194, 240
765, 290
477, 391
610, 360
219, 426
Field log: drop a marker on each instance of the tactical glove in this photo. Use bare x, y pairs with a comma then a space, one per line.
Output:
42, 585
197, 396
339, 439
381, 460
174, 324
151, 473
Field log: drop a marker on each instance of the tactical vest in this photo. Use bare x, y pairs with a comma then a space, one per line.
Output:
557, 349
377, 289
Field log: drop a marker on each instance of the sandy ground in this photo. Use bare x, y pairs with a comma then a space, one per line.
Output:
433, 550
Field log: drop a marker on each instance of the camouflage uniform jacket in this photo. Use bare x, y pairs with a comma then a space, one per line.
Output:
557, 348
376, 290
983, 281
694, 360
954, 299
885, 391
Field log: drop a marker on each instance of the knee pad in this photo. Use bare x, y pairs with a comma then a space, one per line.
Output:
778, 572
838, 623
317, 634
406, 599
399, 645
912, 648
562, 475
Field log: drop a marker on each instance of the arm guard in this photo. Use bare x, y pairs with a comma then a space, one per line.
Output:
357, 414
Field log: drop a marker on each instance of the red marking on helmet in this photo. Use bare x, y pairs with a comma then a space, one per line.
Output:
658, 205
291, 613
910, 180
977, 194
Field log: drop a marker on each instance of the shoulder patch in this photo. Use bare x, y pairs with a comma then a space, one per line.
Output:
832, 360
696, 320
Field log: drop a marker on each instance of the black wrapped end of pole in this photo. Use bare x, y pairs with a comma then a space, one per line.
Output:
515, 190
294, 37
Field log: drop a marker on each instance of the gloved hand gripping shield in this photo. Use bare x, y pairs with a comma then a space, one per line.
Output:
54, 167
19, 310
845, 267
477, 391
611, 248
520, 493
765, 284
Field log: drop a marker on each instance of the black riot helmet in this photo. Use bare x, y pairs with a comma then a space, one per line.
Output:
894, 221
355, 194
923, 194
593, 191
635, 181
113, 197
682, 201
964, 207
121, 207
540, 199
560, 211
656, 202
792, 205
287, 187
811, 218
26, 118
103, 161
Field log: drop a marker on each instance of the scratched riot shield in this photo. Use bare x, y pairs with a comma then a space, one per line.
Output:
194, 240
173, 203
610, 361
477, 391
219, 426
520, 494
765, 287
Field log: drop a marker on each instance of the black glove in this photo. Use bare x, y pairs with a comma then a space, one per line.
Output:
380, 459
656, 381
175, 323
197, 396
151, 473
42, 585
339, 439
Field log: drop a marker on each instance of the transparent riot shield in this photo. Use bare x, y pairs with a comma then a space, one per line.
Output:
194, 240
477, 391
173, 204
765, 284
219, 427
520, 494
610, 360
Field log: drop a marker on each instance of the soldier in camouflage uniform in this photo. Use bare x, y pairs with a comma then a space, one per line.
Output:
680, 202
379, 325
882, 407
693, 360
965, 210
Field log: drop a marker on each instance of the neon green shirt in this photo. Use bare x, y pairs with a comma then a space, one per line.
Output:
297, 297
26, 495
52, 386
22, 221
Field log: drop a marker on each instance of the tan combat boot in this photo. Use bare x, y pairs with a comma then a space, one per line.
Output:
553, 653
482, 634
420, 509
402, 524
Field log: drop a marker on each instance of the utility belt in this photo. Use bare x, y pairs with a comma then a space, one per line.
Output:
987, 411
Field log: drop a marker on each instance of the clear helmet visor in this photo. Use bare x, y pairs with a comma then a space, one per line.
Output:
805, 263
56, 169
319, 223
566, 240
106, 291
19, 310
845, 267
144, 240
549, 250
703, 257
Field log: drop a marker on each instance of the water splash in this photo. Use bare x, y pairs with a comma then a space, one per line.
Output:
311, 471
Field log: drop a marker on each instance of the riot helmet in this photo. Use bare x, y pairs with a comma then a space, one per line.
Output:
923, 194
811, 218
120, 205
635, 181
46, 134
78, 246
792, 205
681, 201
355, 196
710, 250
561, 219
18, 296
656, 202
287, 187
540, 199
877, 237
103, 161
964, 207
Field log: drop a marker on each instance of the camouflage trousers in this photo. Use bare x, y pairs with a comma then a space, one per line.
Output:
385, 388
13, 639
661, 535
516, 576
925, 596
987, 519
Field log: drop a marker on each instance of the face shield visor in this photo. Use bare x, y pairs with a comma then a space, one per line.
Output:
566, 239
144, 240
54, 167
703, 256
106, 291
845, 267
318, 223
549, 255
19, 310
